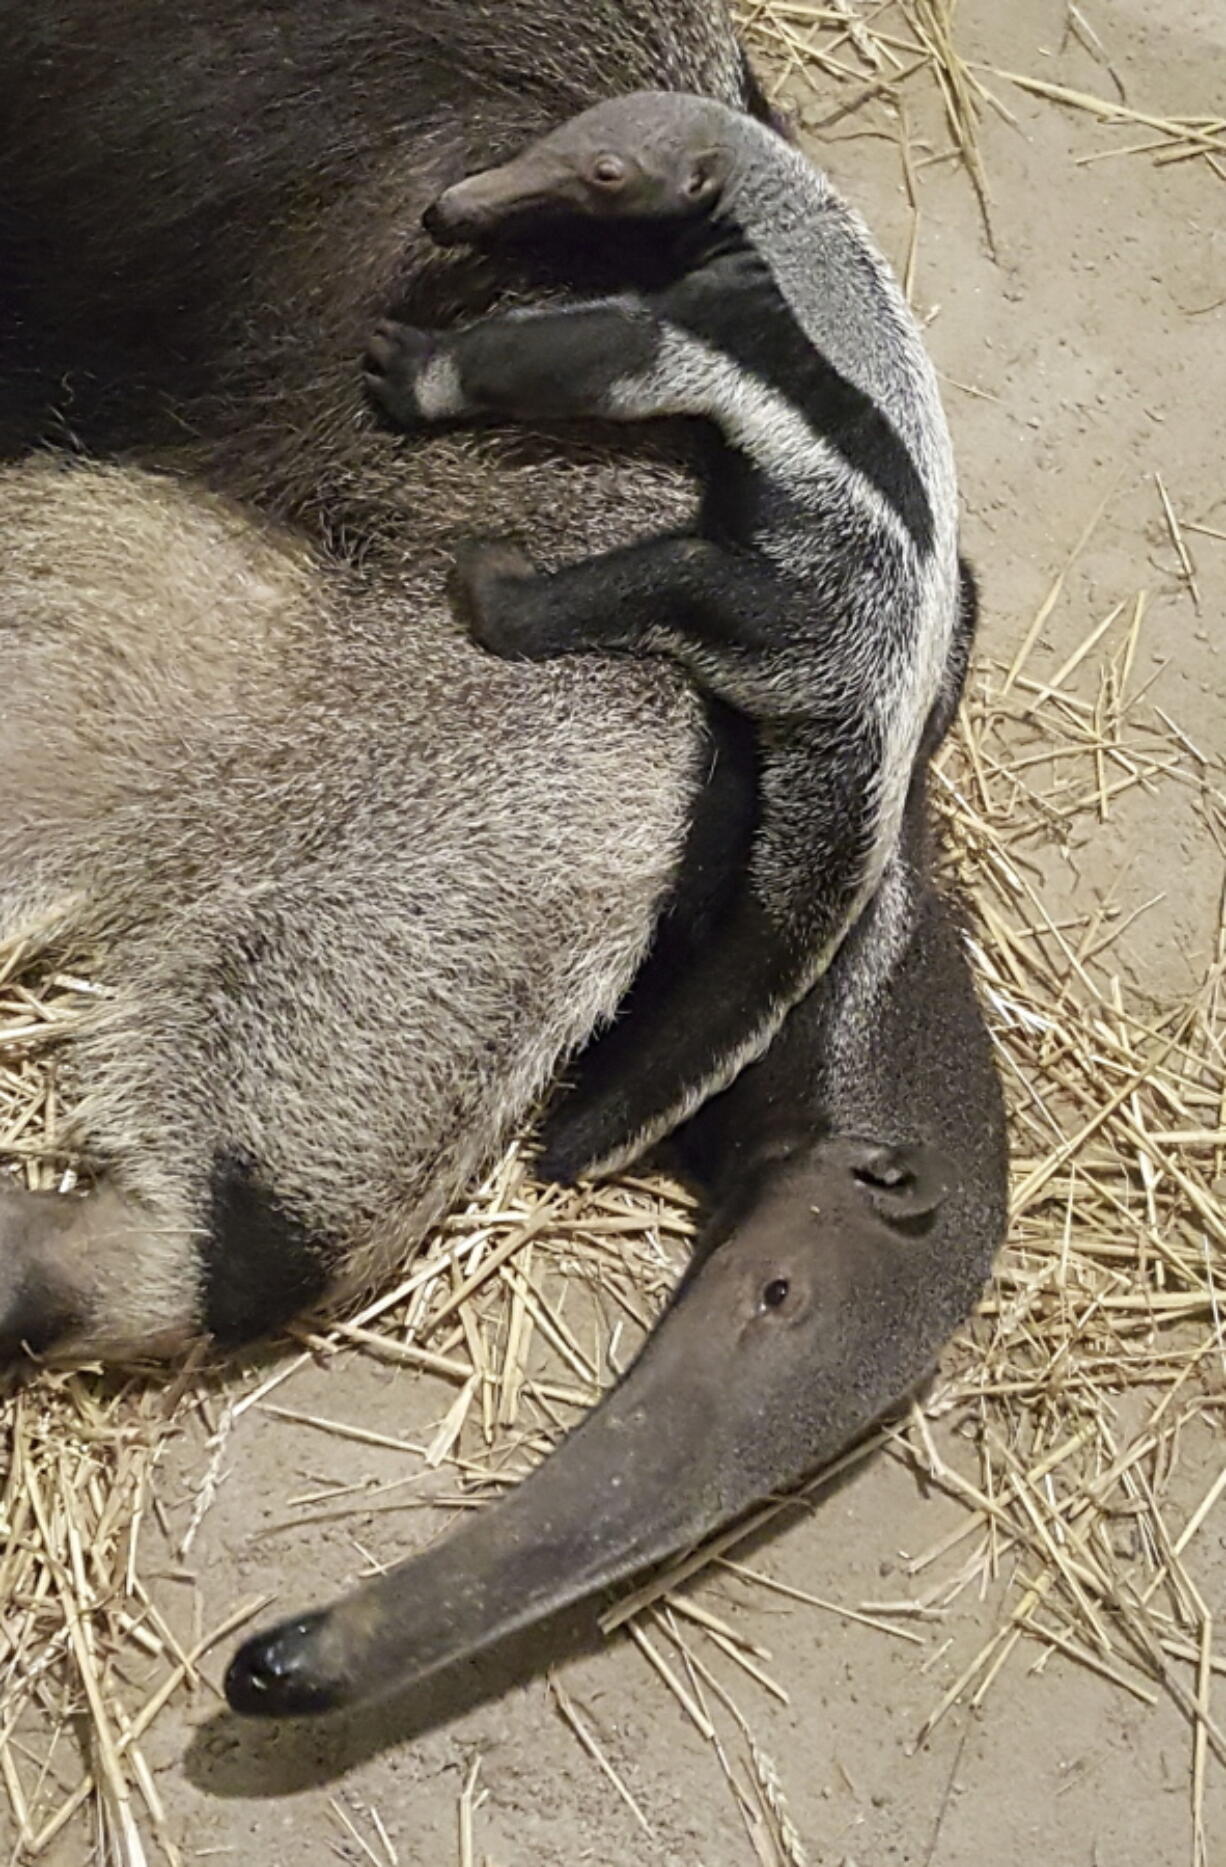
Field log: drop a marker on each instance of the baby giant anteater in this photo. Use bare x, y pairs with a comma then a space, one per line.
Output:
818, 591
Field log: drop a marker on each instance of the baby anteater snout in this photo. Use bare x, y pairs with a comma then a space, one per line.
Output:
465, 210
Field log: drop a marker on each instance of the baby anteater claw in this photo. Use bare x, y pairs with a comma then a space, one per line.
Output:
397, 356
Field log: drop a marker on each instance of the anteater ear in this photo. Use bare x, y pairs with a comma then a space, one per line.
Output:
707, 173
905, 1181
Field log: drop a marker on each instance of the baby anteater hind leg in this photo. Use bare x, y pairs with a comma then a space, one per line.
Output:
93, 1274
682, 596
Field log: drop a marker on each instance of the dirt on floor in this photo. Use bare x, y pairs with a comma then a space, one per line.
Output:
1084, 363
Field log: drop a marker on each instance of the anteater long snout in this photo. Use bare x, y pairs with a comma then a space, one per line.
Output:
532, 183
625, 1489
782, 1348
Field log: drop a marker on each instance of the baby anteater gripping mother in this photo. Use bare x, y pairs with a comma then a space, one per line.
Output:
818, 590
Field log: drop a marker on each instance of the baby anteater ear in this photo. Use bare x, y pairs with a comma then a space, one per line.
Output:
707, 173
905, 1181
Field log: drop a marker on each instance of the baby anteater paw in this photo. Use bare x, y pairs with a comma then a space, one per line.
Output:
492, 590
411, 375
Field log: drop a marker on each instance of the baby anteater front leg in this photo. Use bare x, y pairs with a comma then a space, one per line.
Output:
526, 365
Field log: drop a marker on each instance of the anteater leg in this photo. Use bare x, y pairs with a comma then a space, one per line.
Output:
703, 1009
528, 366
93, 1274
614, 359
678, 1045
684, 597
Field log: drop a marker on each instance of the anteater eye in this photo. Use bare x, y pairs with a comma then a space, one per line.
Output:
775, 1293
609, 171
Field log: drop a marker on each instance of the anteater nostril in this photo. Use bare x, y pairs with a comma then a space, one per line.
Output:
277, 1675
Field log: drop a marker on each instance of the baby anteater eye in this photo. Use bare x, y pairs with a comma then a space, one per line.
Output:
609, 171
775, 1294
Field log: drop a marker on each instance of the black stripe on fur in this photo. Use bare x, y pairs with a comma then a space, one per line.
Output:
737, 307
260, 1264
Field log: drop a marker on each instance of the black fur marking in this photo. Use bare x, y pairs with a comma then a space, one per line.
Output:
712, 1007
744, 314
259, 1264
554, 366
740, 502
723, 821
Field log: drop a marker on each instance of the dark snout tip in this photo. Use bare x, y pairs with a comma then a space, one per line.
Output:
276, 1674
446, 227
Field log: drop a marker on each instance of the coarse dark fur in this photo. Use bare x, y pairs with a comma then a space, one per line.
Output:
205, 209
817, 589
